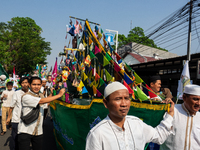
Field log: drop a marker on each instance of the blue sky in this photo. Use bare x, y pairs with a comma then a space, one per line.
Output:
53, 15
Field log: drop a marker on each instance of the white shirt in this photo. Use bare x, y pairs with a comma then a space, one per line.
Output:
16, 103
42, 90
187, 131
108, 136
49, 84
7, 101
28, 103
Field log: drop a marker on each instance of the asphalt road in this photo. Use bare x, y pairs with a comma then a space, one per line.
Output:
6, 141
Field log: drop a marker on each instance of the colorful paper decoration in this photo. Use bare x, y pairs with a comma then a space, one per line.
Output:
127, 79
137, 78
96, 50
141, 94
129, 89
105, 61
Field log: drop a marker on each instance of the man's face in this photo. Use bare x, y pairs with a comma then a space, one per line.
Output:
36, 85
44, 83
25, 85
192, 103
118, 104
9, 87
49, 78
156, 86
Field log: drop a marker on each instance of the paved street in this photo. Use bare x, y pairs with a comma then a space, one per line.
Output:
6, 141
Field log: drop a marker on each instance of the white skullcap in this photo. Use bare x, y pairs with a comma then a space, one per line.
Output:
192, 89
44, 79
3, 77
112, 87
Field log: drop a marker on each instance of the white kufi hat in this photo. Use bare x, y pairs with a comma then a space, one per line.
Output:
44, 79
3, 77
192, 89
112, 87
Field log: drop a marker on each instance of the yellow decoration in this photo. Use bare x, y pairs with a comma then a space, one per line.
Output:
65, 75
88, 60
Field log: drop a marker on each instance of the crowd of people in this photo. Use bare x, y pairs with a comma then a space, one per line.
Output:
24, 110
179, 129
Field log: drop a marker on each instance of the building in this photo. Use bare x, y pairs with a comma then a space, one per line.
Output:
170, 70
134, 53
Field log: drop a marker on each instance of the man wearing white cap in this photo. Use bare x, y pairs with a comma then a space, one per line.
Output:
186, 122
119, 131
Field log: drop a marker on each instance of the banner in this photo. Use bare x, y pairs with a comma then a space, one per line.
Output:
73, 122
184, 80
110, 38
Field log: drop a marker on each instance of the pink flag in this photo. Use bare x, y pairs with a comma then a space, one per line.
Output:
67, 98
14, 73
54, 73
116, 67
73, 68
98, 94
96, 50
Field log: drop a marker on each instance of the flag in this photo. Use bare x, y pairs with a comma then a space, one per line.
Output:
117, 56
14, 73
94, 90
105, 61
40, 70
14, 79
116, 66
151, 92
97, 77
127, 79
54, 73
91, 55
111, 49
129, 89
184, 80
137, 78
108, 76
98, 93
84, 90
141, 94
96, 50
73, 122
108, 57
90, 41
104, 42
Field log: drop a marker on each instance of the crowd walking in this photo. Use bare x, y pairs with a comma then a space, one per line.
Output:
24, 111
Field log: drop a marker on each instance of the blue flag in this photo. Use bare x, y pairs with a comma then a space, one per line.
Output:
127, 79
84, 90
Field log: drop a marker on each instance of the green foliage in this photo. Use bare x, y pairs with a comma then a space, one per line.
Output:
136, 35
21, 45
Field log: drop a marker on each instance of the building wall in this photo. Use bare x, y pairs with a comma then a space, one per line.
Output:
130, 60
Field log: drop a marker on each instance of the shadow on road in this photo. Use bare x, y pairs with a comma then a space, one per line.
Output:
6, 141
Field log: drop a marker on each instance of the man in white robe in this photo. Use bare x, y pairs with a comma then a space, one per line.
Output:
186, 122
118, 131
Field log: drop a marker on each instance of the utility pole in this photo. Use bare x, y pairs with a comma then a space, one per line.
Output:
189, 31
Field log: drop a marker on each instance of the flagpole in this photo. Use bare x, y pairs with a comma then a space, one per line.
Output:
84, 20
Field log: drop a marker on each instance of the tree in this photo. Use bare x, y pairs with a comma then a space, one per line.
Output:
22, 46
136, 35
